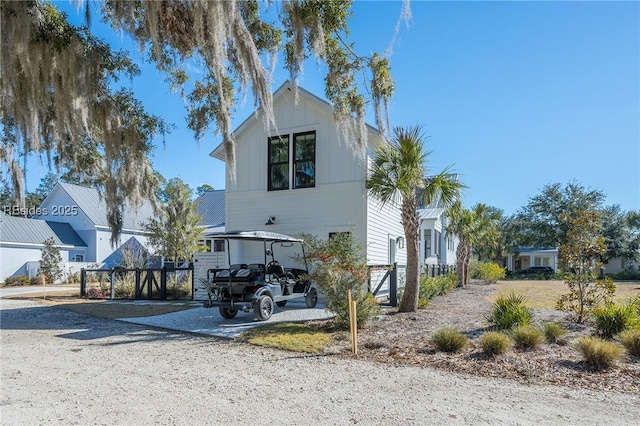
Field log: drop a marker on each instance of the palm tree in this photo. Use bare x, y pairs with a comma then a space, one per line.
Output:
398, 175
475, 227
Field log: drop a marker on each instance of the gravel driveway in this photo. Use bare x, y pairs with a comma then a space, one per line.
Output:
59, 367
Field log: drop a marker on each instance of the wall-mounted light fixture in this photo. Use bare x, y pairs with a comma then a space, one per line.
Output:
400, 242
271, 221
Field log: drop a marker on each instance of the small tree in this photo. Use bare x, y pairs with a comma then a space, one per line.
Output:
336, 266
581, 252
176, 233
50, 261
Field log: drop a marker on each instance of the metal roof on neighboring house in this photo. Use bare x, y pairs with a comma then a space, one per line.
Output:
536, 249
211, 208
430, 213
89, 201
35, 231
66, 234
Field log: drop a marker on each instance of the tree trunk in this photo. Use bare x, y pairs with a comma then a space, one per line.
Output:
460, 265
409, 301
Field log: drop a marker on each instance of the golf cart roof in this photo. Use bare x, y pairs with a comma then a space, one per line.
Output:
253, 236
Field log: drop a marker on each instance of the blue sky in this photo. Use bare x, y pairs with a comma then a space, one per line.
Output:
515, 95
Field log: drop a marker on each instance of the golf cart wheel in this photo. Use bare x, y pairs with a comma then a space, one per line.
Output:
263, 308
227, 313
281, 303
311, 299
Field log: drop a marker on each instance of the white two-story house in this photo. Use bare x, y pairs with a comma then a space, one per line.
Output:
297, 177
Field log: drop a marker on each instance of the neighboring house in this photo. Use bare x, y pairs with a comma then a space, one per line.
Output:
620, 264
211, 209
22, 241
532, 256
436, 246
86, 212
299, 178
76, 217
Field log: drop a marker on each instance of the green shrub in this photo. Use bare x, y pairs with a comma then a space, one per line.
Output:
337, 266
552, 331
495, 343
628, 275
509, 311
611, 319
491, 272
431, 287
598, 353
630, 339
449, 340
526, 337
18, 280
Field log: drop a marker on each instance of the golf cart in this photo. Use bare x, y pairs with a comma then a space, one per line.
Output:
257, 286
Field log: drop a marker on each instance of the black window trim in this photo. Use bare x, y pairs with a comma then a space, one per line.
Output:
269, 163
294, 161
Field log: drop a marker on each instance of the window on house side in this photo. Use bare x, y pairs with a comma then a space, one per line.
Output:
218, 245
333, 234
304, 160
278, 163
79, 258
427, 243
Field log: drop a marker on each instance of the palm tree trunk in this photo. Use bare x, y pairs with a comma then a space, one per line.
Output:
460, 264
409, 302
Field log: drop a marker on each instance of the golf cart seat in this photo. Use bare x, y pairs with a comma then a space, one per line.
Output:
275, 269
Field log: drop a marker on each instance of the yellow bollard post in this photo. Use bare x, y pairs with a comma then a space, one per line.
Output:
354, 332
44, 286
353, 322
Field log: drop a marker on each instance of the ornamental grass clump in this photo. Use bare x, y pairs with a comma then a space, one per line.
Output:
449, 340
552, 331
611, 319
526, 337
495, 343
599, 353
630, 339
509, 311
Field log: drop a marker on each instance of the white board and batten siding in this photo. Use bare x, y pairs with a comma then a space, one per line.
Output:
337, 203
202, 262
384, 231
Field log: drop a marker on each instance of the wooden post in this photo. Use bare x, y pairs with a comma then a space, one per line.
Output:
353, 323
112, 292
83, 282
44, 286
393, 285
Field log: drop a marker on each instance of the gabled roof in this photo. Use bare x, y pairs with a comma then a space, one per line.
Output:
35, 231
89, 201
117, 258
211, 208
286, 89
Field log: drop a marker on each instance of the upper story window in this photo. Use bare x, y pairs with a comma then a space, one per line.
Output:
279, 163
302, 163
304, 160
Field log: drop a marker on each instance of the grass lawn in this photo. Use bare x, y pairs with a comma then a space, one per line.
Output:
544, 294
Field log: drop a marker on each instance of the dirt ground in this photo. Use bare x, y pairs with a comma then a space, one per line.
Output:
404, 339
72, 301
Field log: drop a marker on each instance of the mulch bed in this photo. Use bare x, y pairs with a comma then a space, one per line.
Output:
404, 339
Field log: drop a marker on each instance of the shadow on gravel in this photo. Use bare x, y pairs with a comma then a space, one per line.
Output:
78, 326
